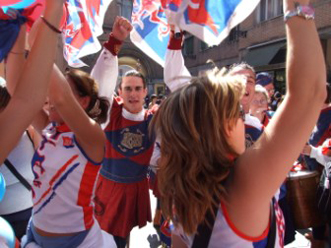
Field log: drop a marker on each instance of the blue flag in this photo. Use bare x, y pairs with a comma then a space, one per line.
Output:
209, 20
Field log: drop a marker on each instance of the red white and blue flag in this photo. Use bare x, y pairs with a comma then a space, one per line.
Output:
83, 26
151, 30
209, 20
84, 20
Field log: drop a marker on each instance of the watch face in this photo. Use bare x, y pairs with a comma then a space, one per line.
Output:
307, 10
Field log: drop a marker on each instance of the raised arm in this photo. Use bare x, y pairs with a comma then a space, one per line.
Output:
262, 168
105, 71
14, 67
30, 92
175, 73
88, 132
15, 61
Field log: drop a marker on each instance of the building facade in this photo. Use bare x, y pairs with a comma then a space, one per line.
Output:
259, 40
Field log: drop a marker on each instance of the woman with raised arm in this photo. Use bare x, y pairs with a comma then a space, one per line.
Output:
30, 92
16, 205
205, 173
66, 165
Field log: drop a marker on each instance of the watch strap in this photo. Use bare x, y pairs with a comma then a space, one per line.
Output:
305, 11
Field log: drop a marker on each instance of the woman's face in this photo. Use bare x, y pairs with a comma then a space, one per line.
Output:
259, 104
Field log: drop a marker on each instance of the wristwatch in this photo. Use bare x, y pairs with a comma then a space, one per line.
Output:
305, 11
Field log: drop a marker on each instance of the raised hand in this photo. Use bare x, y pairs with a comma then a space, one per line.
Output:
121, 28
54, 11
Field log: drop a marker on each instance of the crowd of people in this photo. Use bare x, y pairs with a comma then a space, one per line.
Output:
216, 151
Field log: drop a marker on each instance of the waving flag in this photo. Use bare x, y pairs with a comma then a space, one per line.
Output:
209, 20
83, 26
151, 30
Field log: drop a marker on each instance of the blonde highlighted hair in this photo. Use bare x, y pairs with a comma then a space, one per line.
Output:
195, 155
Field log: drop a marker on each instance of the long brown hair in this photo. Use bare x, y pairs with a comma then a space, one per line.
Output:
85, 85
195, 155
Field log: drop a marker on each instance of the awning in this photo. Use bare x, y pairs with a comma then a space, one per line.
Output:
262, 55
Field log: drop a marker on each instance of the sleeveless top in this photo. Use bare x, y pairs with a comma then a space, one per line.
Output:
64, 183
225, 234
17, 197
129, 147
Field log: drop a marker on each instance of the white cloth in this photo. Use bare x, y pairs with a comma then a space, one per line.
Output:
176, 74
105, 72
64, 182
316, 153
155, 156
253, 121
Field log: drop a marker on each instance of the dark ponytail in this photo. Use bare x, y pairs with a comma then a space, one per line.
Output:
86, 86
98, 109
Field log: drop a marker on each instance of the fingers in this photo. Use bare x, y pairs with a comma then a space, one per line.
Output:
116, 20
123, 23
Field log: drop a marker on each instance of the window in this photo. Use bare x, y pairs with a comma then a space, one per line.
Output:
188, 46
268, 9
203, 45
234, 34
125, 8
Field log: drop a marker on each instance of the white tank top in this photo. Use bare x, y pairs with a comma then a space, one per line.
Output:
64, 183
17, 197
225, 234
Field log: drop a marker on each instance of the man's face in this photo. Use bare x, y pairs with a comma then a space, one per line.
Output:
133, 93
249, 76
271, 89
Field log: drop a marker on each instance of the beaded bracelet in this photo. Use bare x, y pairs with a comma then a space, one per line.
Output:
56, 30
